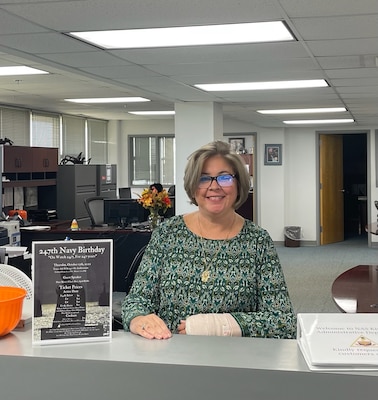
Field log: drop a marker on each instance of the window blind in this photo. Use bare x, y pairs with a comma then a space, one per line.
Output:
97, 141
73, 135
45, 130
15, 125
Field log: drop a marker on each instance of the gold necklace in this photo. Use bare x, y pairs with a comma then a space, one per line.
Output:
206, 272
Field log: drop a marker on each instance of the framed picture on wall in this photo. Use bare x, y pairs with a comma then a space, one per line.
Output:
273, 154
237, 144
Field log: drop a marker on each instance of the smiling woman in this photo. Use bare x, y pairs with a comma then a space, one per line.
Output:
210, 272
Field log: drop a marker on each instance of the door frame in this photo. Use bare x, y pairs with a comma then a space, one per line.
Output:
368, 172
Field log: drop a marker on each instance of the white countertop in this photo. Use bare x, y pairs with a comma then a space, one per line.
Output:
180, 349
183, 367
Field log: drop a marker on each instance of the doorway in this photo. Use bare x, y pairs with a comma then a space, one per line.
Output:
343, 187
355, 185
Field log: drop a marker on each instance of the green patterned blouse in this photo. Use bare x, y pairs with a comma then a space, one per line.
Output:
245, 279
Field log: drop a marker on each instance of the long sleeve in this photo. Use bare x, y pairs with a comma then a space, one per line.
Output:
273, 314
245, 280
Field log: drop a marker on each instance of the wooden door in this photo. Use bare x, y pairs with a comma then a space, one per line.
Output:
331, 189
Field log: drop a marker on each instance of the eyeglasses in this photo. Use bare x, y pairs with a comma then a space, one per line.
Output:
225, 180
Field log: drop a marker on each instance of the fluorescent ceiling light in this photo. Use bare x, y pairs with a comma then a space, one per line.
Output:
152, 112
188, 35
320, 121
222, 87
20, 70
109, 100
304, 110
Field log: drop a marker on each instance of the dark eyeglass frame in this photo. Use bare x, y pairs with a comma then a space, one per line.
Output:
208, 180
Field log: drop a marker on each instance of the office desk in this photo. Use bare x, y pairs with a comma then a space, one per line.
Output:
356, 290
126, 244
183, 367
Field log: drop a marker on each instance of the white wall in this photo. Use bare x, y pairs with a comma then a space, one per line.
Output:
284, 195
300, 189
269, 184
196, 123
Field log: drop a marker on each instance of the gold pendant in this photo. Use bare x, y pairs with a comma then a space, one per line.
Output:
205, 276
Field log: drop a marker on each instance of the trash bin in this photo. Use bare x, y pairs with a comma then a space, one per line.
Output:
292, 236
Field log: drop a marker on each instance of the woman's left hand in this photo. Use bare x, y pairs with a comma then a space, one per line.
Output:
182, 327
150, 326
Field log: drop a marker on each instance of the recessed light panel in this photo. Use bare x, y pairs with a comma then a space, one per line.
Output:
320, 121
188, 35
223, 87
304, 110
152, 112
109, 100
20, 70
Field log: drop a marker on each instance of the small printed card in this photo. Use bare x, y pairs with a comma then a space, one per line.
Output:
72, 291
339, 341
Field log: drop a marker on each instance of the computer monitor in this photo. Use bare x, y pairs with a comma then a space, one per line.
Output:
123, 212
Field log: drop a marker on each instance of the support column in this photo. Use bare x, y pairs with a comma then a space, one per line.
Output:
196, 123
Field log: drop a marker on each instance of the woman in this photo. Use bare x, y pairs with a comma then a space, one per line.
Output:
210, 272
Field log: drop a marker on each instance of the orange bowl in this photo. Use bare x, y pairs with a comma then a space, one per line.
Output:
11, 303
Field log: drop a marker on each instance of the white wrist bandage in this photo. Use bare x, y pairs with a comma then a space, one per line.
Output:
212, 325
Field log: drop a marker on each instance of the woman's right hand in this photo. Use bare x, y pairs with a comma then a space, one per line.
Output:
150, 326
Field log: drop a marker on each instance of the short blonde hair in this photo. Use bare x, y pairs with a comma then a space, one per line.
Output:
194, 167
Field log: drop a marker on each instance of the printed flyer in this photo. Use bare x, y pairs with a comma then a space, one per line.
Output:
72, 291
339, 341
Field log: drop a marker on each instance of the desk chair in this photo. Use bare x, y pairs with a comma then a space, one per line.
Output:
119, 296
172, 190
95, 209
129, 278
124, 193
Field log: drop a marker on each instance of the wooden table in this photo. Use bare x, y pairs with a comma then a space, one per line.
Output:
356, 290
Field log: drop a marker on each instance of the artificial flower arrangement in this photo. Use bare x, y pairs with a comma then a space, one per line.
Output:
155, 202
151, 198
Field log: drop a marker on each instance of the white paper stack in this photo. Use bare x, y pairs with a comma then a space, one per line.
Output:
339, 341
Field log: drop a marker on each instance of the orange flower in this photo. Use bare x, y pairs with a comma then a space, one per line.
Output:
151, 198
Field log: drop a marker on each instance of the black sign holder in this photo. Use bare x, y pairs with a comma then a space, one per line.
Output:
72, 291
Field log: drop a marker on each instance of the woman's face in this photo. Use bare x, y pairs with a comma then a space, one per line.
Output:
213, 198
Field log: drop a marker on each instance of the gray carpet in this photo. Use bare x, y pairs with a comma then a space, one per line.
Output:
310, 271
